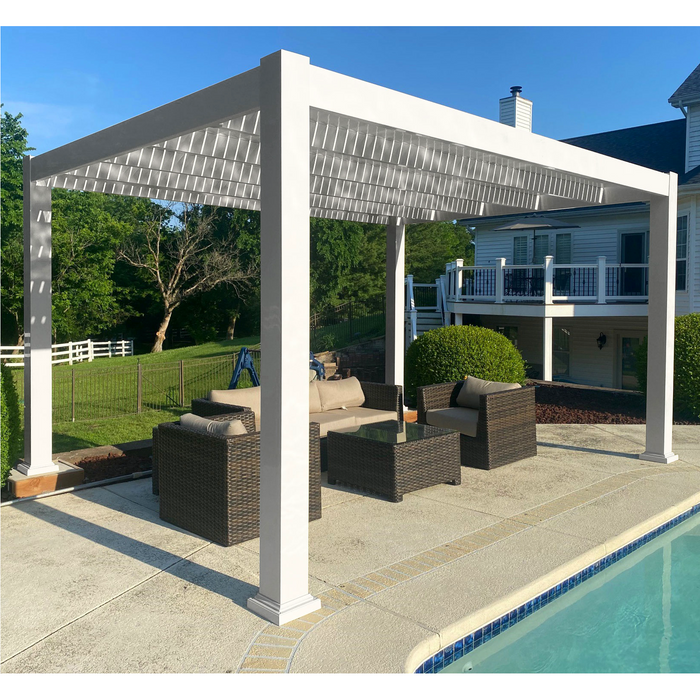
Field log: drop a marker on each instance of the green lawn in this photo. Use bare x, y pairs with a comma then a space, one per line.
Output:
107, 387
110, 431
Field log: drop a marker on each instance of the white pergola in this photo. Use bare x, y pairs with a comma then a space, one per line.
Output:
295, 141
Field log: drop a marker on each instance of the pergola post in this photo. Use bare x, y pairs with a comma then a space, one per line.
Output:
547, 347
662, 313
395, 303
285, 251
37, 327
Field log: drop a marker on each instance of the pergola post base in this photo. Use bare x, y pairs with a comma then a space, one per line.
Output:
660, 459
286, 612
36, 469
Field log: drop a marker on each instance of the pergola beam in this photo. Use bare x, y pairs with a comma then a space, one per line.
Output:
342, 94
206, 107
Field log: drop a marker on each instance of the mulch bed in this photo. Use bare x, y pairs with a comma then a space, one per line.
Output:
559, 404
112, 465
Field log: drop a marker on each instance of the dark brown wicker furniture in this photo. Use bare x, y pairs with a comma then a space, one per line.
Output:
394, 458
506, 431
384, 397
210, 484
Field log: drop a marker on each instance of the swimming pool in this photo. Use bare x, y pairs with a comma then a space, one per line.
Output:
636, 611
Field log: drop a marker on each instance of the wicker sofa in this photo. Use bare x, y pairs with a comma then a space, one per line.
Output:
210, 484
503, 432
381, 402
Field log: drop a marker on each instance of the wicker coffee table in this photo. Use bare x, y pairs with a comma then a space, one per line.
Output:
394, 458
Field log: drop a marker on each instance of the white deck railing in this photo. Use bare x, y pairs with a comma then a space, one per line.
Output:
599, 283
71, 352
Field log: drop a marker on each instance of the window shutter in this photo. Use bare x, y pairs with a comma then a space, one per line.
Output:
520, 250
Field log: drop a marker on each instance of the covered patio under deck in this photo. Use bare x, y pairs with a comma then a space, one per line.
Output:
294, 141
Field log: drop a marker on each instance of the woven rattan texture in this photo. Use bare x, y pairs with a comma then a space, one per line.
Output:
390, 469
210, 484
506, 431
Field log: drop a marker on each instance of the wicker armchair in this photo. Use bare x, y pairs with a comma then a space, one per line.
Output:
210, 484
506, 431
383, 397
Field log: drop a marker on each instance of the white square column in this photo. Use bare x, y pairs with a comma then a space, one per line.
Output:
37, 328
547, 347
285, 253
662, 316
395, 303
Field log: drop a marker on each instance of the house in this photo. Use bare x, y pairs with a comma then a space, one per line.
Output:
580, 291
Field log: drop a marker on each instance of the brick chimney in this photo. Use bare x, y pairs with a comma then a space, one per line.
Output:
515, 110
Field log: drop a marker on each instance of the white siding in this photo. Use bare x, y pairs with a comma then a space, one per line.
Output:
588, 364
694, 253
596, 236
692, 137
600, 235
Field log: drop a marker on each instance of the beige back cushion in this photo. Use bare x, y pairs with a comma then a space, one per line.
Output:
250, 398
212, 427
473, 388
340, 393
314, 398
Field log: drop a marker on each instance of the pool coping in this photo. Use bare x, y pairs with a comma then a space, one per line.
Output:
455, 639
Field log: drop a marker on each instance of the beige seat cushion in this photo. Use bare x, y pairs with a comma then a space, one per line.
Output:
463, 420
473, 388
365, 416
332, 420
340, 393
250, 398
212, 427
314, 398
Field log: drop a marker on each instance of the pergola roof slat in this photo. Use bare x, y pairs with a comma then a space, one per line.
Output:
432, 163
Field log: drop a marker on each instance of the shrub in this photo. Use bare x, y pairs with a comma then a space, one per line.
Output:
449, 354
686, 379
10, 436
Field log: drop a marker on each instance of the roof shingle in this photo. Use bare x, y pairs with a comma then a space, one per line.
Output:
657, 146
689, 90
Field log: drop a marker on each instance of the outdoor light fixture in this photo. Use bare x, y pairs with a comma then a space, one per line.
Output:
601, 341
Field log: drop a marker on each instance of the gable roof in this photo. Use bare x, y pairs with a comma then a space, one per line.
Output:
689, 91
657, 146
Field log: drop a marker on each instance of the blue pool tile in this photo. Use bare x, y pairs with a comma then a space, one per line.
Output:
463, 646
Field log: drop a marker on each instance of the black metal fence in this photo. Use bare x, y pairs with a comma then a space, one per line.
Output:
81, 393
340, 326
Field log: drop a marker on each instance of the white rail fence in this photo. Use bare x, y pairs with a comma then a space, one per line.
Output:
72, 352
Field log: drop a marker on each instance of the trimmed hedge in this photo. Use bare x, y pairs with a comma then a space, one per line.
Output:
449, 354
686, 379
10, 435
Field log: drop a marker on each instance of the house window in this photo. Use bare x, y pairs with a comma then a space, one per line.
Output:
682, 254
540, 249
561, 352
520, 250
510, 332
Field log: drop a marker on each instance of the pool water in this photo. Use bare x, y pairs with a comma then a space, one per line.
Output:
641, 615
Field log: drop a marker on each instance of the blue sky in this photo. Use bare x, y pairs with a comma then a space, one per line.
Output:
72, 81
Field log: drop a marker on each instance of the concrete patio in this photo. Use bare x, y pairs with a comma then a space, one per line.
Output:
95, 582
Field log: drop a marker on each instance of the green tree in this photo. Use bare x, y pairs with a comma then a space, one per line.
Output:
15, 146
210, 315
183, 255
430, 245
86, 234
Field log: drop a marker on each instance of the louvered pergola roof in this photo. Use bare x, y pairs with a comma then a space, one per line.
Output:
375, 155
